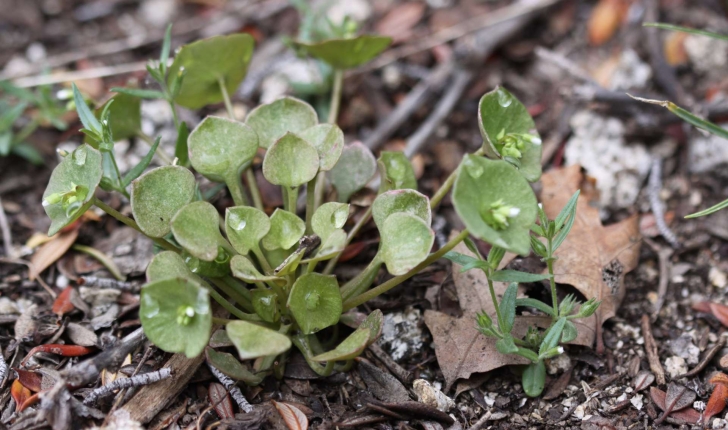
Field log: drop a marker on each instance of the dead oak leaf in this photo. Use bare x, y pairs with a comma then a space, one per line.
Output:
593, 258
51, 251
460, 348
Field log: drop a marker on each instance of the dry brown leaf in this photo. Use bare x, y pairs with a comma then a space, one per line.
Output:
220, 400
593, 258
293, 417
717, 400
460, 348
674, 48
400, 20
605, 19
684, 416
51, 251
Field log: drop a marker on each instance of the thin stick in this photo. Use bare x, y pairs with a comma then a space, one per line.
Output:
5, 230
3, 368
94, 281
704, 362
134, 381
651, 350
80, 75
234, 391
663, 255
653, 192
383, 288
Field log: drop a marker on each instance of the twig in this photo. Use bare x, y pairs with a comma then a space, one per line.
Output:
3, 368
653, 192
233, 389
443, 108
134, 381
663, 255
80, 75
409, 104
708, 356
93, 281
489, 19
5, 230
651, 350
564, 64
402, 374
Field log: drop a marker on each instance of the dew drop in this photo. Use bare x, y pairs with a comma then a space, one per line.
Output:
72, 208
504, 99
150, 307
339, 216
79, 157
312, 301
474, 169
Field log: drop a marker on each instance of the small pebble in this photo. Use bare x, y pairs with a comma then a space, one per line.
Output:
717, 277
675, 366
432, 396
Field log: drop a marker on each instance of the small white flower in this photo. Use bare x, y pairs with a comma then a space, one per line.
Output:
513, 212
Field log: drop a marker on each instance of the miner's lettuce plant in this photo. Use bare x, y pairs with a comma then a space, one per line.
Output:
270, 269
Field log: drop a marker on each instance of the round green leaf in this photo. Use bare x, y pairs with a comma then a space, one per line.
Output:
482, 183
231, 366
169, 264
220, 148
407, 201
175, 314
244, 269
328, 139
253, 341
207, 61
355, 168
329, 217
197, 229
397, 172
406, 241
350, 348
501, 112
245, 226
347, 53
285, 115
265, 304
315, 302
286, 229
290, 162
71, 187
158, 194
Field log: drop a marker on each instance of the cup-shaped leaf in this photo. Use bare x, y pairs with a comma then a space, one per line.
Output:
175, 314
71, 187
158, 194
244, 269
406, 241
396, 171
347, 53
231, 366
495, 202
253, 341
245, 226
216, 268
509, 131
196, 227
220, 148
169, 264
329, 217
355, 168
350, 348
315, 302
286, 229
407, 201
328, 139
205, 62
265, 304
290, 162
287, 114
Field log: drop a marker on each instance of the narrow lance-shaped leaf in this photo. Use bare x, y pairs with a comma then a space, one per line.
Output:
137, 170
509, 132
516, 276
138, 92
508, 308
181, 149
285, 115
176, 316
206, 62
88, 119
158, 194
71, 187
686, 30
710, 210
688, 117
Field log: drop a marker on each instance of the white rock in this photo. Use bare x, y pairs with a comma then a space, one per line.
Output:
158, 13
675, 366
558, 364
8, 306
402, 334
432, 396
707, 151
717, 277
705, 53
637, 401
598, 145
357, 10
631, 72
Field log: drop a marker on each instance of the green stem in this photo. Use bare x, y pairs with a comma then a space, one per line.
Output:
383, 288
301, 342
362, 281
226, 97
229, 306
552, 280
174, 112
291, 196
220, 321
160, 153
235, 293
235, 186
349, 237
494, 299
319, 192
131, 223
267, 269
447, 185
310, 203
253, 187
336, 96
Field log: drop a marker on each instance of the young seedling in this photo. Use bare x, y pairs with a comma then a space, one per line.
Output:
264, 269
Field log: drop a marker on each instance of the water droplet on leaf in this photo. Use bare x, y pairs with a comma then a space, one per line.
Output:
151, 306
504, 99
312, 301
79, 157
474, 169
